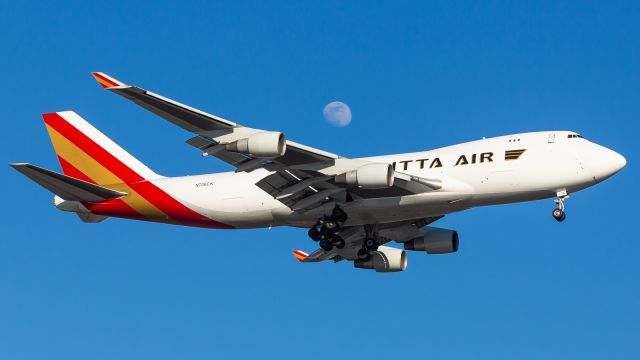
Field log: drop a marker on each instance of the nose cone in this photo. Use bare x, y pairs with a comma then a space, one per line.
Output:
617, 161
604, 162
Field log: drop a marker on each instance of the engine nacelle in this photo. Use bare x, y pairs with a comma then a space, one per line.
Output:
386, 259
268, 144
434, 241
369, 176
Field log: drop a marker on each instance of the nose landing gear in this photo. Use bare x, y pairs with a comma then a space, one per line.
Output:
327, 230
558, 213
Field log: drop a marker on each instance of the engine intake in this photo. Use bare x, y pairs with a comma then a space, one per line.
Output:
369, 176
386, 259
434, 241
266, 144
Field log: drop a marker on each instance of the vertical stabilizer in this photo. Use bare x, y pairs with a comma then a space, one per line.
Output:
87, 154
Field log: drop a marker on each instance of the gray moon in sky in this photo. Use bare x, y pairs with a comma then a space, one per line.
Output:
337, 114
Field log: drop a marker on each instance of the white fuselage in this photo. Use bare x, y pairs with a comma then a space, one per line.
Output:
478, 173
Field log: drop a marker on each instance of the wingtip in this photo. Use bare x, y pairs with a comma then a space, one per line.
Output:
300, 255
18, 165
105, 80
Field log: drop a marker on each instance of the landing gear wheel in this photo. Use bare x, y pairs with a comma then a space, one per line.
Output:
315, 234
558, 214
326, 245
327, 228
338, 242
330, 225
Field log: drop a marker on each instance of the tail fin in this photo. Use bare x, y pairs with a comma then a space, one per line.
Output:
87, 154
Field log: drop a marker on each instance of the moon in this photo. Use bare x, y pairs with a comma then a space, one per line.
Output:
337, 114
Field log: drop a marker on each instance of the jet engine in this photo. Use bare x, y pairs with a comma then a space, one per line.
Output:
385, 259
369, 176
434, 241
268, 144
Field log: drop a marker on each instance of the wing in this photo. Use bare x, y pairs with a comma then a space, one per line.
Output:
303, 177
205, 125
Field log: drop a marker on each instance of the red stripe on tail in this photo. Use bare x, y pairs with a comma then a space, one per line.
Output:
157, 197
98, 153
72, 171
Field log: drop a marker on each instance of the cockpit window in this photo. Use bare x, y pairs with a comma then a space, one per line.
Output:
572, 136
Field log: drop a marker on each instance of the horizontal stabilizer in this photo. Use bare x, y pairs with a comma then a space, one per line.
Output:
316, 256
300, 255
66, 187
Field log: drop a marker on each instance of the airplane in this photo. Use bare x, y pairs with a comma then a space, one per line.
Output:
353, 207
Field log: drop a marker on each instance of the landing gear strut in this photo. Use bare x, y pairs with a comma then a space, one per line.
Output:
369, 244
558, 213
327, 230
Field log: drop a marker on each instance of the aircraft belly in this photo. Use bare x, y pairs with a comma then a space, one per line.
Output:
384, 210
406, 207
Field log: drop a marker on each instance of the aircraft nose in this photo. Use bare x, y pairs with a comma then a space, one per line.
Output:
606, 162
617, 161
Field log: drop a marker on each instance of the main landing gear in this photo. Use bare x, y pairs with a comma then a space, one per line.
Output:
558, 213
327, 230
369, 243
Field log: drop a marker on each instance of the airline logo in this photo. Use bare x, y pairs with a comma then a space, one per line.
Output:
513, 154
87, 154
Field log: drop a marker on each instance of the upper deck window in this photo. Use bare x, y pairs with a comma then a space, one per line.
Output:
571, 136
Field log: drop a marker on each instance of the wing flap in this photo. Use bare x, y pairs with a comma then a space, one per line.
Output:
66, 187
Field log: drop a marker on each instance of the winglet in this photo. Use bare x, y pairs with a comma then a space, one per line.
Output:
106, 81
300, 255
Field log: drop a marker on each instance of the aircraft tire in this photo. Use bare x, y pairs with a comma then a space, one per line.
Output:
314, 234
558, 214
338, 242
326, 245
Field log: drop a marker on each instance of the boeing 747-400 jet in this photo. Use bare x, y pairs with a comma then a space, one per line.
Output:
352, 207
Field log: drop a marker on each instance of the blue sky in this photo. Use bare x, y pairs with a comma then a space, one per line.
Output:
417, 75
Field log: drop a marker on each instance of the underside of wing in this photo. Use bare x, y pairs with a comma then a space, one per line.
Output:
304, 190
